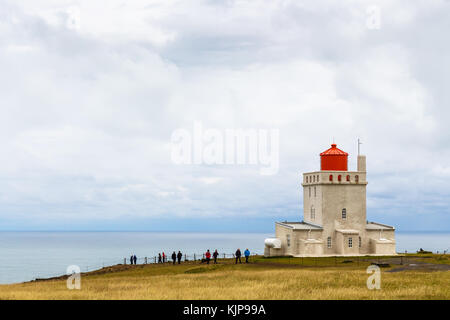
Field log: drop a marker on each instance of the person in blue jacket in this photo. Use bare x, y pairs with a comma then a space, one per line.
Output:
246, 254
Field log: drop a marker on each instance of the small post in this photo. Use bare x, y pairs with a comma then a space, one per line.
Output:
224, 255
185, 257
145, 260
359, 144
194, 257
124, 260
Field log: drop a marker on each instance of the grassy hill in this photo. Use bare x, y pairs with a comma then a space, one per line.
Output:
418, 277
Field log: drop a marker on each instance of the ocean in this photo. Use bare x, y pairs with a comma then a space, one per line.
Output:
25, 256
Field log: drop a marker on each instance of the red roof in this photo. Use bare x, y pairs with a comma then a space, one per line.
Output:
334, 151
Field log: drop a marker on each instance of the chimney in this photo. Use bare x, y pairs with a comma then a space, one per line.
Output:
362, 163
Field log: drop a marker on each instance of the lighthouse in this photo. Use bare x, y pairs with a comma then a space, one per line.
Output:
334, 215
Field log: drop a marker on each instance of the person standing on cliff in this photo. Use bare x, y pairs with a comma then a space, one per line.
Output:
238, 255
247, 255
179, 256
208, 256
215, 255
174, 257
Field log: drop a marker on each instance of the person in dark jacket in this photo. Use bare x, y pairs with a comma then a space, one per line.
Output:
179, 256
135, 259
247, 255
238, 255
159, 258
208, 256
131, 259
174, 257
215, 255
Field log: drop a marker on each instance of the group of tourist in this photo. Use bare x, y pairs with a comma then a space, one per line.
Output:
162, 258
237, 255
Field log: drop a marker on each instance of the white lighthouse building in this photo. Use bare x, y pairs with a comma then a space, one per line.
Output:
334, 215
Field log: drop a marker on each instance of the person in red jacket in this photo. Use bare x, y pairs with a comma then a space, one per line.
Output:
208, 256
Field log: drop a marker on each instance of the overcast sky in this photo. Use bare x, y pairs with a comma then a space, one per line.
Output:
91, 92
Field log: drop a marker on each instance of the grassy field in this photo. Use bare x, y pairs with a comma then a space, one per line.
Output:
264, 278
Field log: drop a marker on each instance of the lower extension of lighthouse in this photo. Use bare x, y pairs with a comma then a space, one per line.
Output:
334, 215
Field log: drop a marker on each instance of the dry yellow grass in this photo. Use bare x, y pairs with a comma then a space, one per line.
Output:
229, 281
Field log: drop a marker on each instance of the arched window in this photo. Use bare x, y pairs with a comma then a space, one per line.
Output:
306, 179
329, 242
356, 179
331, 177
309, 190
339, 178
313, 213
344, 213
314, 178
348, 177
317, 178
315, 193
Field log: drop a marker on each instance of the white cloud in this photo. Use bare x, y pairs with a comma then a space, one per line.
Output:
92, 92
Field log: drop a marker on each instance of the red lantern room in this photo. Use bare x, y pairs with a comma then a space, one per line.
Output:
334, 159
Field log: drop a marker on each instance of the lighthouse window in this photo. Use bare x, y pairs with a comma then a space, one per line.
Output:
344, 213
315, 193
306, 179
350, 242
331, 177
309, 190
317, 178
313, 213
329, 242
288, 240
339, 178
348, 178
360, 242
356, 178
